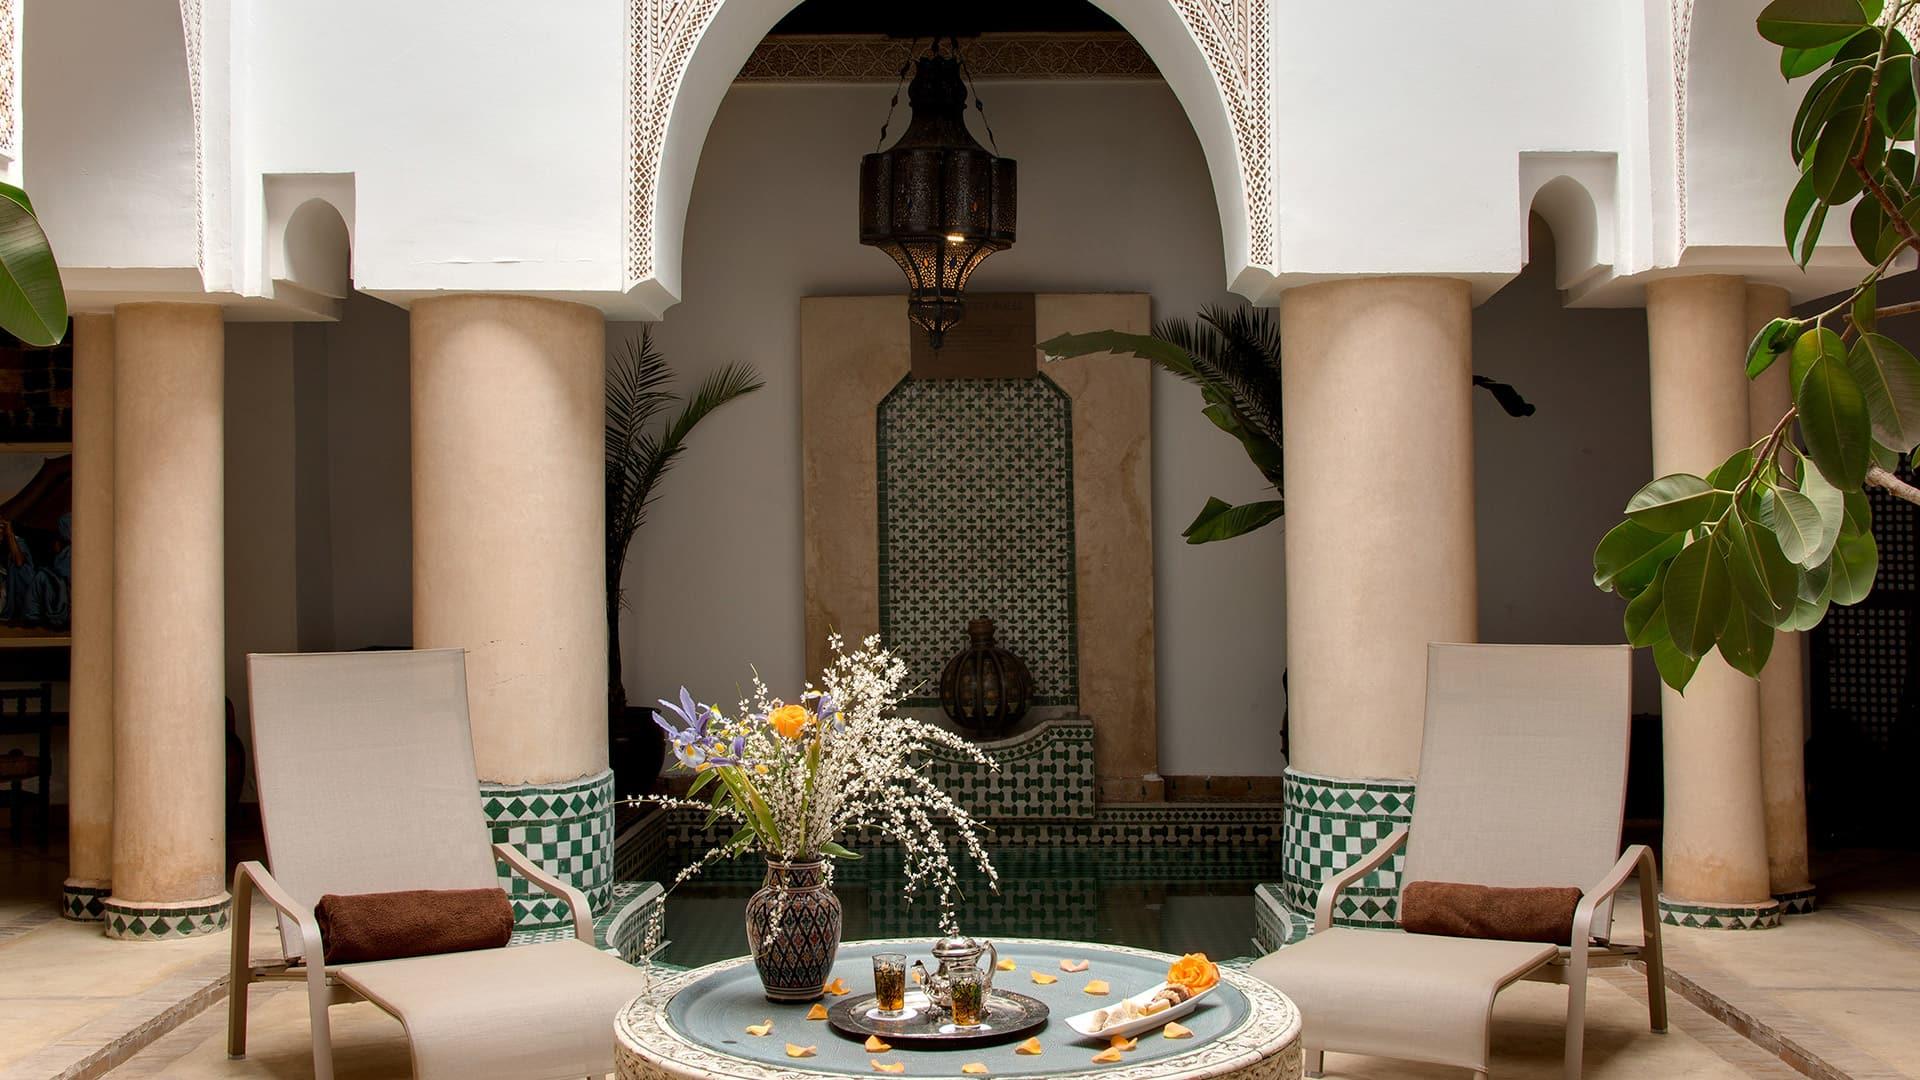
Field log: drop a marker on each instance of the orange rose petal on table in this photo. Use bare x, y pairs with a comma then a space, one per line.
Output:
1106, 1057
1097, 986
1005, 965
1044, 979
1075, 966
881, 1066
877, 1045
1121, 1042
818, 1012
1031, 1046
974, 1068
801, 1051
838, 988
764, 1027
1176, 1030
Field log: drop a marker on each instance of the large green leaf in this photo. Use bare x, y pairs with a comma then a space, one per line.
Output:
1795, 522
1629, 556
1696, 594
1800, 205
1855, 561
1834, 421
1809, 347
1856, 513
1645, 620
1676, 667
1809, 24
1746, 641
1220, 520
33, 304
1889, 379
1773, 339
1764, 581
1806, 614
1676, 503
1795, 63
1835, 179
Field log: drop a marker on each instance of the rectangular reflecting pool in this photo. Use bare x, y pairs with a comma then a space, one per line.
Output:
1175, 900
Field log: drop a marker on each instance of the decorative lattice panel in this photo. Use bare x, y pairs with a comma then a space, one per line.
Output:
976, 518
1866, 693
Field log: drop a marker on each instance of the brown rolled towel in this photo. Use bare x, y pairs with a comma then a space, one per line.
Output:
1449, 909
418, 922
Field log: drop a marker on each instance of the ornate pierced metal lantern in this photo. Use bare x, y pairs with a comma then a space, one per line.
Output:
937, 201
985, 687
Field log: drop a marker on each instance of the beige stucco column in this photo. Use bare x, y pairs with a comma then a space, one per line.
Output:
169, 824
509, 561
1715, 843
1783, 686
90, 679
1380, 551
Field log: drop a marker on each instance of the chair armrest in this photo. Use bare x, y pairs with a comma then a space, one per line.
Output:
1366, 864
539, 875
1637, 857
251, 877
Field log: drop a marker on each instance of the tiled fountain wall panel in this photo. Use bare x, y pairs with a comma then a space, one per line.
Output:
976, 509
1332, 822
566, 828
1044, 774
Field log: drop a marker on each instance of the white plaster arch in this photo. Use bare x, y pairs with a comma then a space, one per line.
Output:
1576, 194
315, 250
1214, 54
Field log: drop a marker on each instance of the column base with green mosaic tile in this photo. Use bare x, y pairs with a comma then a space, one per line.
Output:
567, 828
1331, 822
1702, 915
84, 901
159, 920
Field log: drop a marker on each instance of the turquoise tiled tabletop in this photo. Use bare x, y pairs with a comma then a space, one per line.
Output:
694, 1025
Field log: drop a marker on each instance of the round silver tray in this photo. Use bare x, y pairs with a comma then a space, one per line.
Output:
1008, 1016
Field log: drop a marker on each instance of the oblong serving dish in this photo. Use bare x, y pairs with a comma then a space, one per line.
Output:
1083, 1025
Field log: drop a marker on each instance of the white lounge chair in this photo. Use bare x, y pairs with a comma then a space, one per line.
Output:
365, 769
1523, 775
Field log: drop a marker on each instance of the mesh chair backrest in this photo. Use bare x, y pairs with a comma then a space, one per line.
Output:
1523, 767
364, 764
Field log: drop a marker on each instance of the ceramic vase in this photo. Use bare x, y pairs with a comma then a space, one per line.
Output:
794, 962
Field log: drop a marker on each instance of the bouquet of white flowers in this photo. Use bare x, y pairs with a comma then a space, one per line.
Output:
798, 779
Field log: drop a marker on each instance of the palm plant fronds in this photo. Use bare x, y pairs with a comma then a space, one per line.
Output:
640, 452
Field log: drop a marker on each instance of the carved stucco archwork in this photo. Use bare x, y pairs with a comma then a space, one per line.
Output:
1681, 15
191, 25
1231, 34
9, 79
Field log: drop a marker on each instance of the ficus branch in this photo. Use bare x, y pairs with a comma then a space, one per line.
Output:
1892, 485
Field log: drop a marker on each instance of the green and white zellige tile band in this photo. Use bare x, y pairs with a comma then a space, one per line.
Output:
1703, 916
566, 828
1331, 823
141, 920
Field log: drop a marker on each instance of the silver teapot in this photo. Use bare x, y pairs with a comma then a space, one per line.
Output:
951, 954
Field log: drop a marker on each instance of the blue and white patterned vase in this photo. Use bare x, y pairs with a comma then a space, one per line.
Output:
794, 963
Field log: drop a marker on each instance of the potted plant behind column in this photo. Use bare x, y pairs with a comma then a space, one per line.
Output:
639, 453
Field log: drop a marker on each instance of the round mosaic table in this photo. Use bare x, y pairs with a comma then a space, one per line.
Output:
692, 1025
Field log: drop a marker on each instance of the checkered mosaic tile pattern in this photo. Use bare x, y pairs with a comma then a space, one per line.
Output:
1719, 916
1046, 773
1331, 823
976, 518
84, 903
620, 929
132, 921
1275, 925
565, 828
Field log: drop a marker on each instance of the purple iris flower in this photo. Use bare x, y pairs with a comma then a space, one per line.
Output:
691, 743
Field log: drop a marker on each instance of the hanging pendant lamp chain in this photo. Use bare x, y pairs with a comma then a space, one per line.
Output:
905, 67
978, 105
